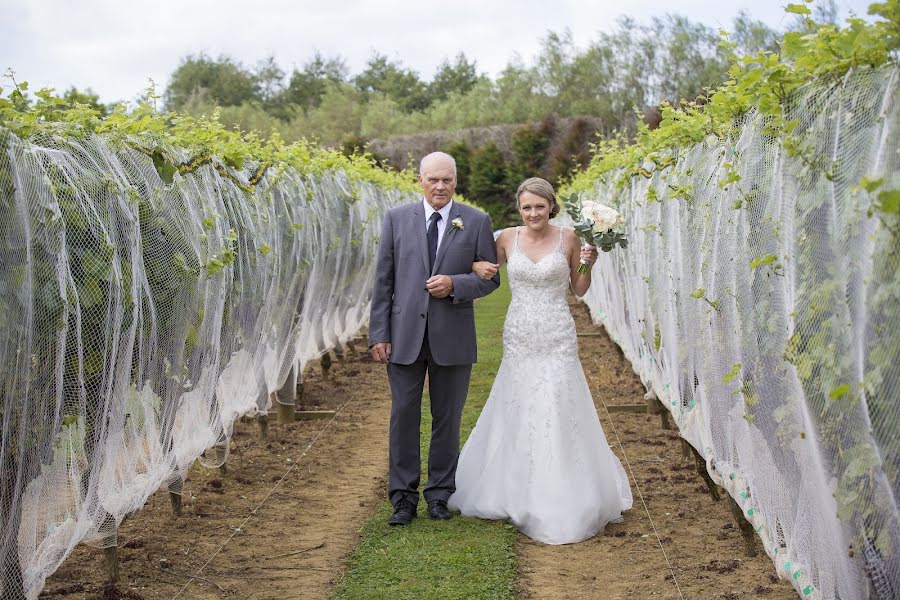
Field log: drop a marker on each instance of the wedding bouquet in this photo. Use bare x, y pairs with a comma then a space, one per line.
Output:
597, 224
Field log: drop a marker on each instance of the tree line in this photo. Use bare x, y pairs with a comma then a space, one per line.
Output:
632, 65
552, 108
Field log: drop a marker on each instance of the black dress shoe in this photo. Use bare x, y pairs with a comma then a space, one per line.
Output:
404, 512
437, 509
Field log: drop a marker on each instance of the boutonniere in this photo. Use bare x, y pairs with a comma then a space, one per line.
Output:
457, 223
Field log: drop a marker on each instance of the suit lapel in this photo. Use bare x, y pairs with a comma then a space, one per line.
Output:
418, 225
449, 234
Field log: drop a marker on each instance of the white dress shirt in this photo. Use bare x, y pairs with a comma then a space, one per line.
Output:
442, 224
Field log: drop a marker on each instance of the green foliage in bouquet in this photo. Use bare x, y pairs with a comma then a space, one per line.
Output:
605, 240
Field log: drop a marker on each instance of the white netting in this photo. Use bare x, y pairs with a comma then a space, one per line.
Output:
766, 317
139, 319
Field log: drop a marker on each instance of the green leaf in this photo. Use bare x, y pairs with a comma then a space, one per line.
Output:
869, 184
735, 369
730, 178
297, 226
763, 261
839, 392
265, 249
89, 292
165, 170
797, 9
889, 201
93, 362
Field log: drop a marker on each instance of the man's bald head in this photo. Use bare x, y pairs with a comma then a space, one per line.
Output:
437, 161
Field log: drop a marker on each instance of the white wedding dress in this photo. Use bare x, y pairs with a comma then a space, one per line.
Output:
537, 456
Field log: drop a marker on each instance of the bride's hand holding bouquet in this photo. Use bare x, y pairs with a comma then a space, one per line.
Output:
596, 224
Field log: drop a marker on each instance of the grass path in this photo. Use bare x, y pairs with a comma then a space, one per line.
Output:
460, 558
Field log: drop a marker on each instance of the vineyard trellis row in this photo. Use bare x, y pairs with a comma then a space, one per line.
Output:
142, 312
759, 301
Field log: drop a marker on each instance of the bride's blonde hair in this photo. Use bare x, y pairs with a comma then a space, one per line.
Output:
539, 187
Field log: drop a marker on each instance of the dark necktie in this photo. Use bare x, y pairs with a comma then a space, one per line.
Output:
432, 239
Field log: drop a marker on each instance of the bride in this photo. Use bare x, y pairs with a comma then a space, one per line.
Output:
537, 456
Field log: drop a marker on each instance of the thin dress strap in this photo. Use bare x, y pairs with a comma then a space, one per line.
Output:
559, 245
516, 243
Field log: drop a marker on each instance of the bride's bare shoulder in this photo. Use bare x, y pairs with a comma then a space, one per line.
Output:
506, 235
568, 234
570, 240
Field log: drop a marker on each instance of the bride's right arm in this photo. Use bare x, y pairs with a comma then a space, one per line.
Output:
485, 269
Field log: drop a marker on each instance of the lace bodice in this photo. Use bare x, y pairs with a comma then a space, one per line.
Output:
538, 322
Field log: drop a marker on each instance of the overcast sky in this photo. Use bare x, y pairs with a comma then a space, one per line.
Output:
115, 46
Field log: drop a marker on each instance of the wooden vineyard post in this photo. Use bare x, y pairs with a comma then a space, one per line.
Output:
263, 421
111, 555
339, 353
745, 527
701, 470
686, 449
326, 365
285, 409
110, 547
285, 399
298, 393
654, 406
175, 486
742, 523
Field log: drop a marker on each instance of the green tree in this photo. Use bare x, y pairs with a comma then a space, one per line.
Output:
403, 86
270, 85
307, 85
487, 184
382, 117
571, 151
631, 56
516, 97
340, 113
88, 97
459, 78
529, 146
689, 57
269, 79
225, 81
750, 36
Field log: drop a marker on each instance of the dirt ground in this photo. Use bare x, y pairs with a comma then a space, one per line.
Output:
699, 536
313, 500
313, 503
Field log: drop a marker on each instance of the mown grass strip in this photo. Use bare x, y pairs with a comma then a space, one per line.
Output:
460, 558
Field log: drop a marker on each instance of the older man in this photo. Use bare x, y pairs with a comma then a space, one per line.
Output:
423, 321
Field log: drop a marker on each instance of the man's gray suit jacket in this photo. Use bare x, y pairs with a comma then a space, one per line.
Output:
401, 306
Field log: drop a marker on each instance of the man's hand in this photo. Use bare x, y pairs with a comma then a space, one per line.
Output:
381, 352
439, 286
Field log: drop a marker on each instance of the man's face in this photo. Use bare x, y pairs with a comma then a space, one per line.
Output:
438, 183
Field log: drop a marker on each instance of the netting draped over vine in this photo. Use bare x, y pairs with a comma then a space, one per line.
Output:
764, 313
139, 319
